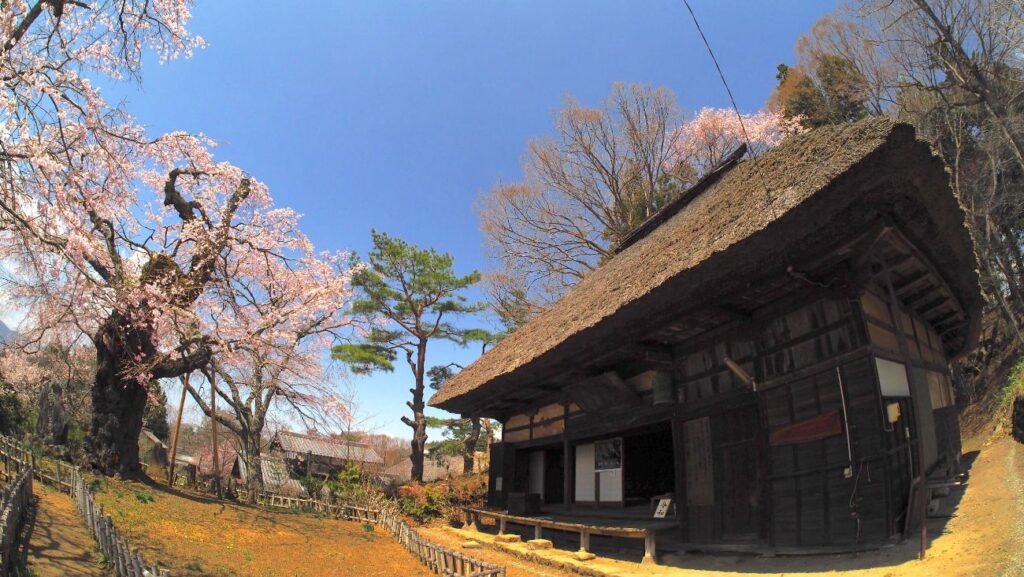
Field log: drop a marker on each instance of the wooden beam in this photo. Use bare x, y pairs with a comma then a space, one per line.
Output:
920, 295
910, 282
943, 318
933, 304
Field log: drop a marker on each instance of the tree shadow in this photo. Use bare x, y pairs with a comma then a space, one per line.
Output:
45, 542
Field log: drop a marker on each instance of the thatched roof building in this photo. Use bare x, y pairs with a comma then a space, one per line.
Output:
805, 198
770, 351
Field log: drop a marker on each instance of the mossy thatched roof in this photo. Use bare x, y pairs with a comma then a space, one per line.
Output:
755, 217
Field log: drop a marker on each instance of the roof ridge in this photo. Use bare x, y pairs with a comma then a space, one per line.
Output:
680, 202
325, 438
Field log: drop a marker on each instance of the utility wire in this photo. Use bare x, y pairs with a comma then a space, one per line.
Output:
736, 109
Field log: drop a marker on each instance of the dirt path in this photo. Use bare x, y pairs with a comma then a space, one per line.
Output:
514, 566
59, 543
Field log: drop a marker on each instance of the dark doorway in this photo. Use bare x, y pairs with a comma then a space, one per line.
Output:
554, 476
736, 441
521, 480
648, 463
723, 467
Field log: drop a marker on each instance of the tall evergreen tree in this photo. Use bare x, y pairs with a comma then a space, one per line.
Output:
155, 416
408, 298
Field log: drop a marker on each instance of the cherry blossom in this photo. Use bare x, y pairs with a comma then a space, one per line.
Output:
713, 133
164, 256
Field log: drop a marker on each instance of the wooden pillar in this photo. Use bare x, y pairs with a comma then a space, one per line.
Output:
679, 464
649, 549
213, 425
177, 428
568, 463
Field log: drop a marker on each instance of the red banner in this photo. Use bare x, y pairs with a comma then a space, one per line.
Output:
821, 427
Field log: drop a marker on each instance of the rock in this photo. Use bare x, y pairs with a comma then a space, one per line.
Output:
536, 544
507, 538
1018, 418
582, 555
52, 424
471, 544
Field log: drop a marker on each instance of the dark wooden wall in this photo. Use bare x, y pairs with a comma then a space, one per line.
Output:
814, 501
502, 464
845, 487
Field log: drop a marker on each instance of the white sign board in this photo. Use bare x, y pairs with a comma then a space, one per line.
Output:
662, 510
892, 378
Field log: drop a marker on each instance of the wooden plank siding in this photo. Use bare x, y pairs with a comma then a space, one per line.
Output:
833, 489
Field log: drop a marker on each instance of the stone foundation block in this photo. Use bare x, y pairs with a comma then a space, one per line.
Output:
583, 555
536, 544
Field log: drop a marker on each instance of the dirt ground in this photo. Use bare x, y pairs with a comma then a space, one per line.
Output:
980, 533
193, 535
58, 542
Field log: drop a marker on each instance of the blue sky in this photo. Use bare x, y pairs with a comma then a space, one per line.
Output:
395, 115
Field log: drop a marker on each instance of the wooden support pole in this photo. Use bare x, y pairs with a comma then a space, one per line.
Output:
567, 461
649, 549
177, 428
213, 426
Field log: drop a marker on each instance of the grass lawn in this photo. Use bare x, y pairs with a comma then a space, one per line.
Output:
193, 535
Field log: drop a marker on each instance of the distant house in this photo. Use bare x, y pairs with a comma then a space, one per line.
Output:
152, 450
322, 455
274, 473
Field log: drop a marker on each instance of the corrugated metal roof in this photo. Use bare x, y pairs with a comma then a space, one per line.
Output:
323, 447
276, 478
153, 438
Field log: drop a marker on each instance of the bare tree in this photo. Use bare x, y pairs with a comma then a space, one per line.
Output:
954, 69
585, 189
606, 170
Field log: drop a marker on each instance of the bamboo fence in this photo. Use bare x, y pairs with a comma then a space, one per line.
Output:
442, 561
66, 478
14, 505
128, 562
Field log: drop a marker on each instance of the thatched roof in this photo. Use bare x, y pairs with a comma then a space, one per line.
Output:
814, 189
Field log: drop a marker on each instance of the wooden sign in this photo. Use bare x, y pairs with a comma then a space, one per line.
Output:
662, 510
821, 427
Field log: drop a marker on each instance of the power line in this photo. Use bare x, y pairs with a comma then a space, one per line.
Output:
732, 99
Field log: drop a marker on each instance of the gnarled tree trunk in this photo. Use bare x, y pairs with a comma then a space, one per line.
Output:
469, 447
118, 401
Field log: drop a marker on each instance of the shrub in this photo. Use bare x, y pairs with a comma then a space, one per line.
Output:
14, 416
421, 502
